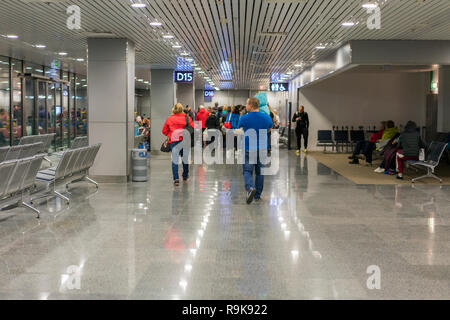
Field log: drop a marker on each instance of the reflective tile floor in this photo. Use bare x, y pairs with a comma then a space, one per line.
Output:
314, 235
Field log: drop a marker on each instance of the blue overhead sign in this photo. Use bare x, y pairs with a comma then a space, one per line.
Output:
209, 93
279, 87
184, 76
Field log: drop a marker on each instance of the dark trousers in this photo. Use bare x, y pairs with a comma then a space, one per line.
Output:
175, 160
366, 148
299, 132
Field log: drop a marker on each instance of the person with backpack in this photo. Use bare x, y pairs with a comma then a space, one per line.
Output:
173, 128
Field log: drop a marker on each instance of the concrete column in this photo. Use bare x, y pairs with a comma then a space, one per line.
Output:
186, 94
444, 99
200, 98
111, 69
162, 101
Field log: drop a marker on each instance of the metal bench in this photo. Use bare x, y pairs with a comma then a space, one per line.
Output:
78, 142
18, 181
73, 167
3, 153
432, 158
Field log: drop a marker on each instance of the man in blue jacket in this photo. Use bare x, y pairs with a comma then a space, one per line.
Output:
254, 121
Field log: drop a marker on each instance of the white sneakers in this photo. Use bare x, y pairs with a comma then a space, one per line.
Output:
379, 170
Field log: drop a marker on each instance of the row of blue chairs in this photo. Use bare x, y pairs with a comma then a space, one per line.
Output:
338, 139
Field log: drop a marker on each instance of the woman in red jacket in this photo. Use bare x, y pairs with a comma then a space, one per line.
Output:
173, 129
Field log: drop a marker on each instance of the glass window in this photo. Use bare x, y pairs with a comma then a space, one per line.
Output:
17, 101
82, 105
73, 114
4, 102
65, 111
34, 68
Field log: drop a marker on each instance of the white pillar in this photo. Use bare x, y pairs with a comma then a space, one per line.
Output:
111, 69
186, 94
162, 101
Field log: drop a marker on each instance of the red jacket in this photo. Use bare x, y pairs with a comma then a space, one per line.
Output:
202, 115
376, 136
175, 122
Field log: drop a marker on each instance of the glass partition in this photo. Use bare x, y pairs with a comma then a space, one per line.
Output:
5, 125
17, 108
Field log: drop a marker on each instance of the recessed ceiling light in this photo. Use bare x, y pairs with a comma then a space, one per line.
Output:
189, 59
63, 53
320, 47
12, 36
176, 47
348, 24
198, 69
138, 5
80, 59
370, 5
141, 80
155, 24
168, 36
289, 73
298, 65
201, 72
40, 46
184, 54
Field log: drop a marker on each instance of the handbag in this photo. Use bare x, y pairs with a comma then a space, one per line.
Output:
227, 124
188, 127
165, 147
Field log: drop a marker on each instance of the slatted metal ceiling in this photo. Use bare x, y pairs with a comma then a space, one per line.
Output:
228, 39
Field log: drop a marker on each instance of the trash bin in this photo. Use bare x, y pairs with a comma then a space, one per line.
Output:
139, 159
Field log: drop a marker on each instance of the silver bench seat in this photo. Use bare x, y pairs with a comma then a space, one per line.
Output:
18, 181
72, 167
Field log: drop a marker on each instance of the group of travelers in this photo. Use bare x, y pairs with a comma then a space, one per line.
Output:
142, 127
393, 146
255, 115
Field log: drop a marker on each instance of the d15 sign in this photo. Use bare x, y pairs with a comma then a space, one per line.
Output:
209, 93
279, 87
184, 76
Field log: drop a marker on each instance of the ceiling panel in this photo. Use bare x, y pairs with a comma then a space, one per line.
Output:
236, 43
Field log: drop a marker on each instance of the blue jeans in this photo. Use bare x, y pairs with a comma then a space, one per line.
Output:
175, 160
248, 175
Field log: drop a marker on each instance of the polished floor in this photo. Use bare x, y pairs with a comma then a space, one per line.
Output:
313, 236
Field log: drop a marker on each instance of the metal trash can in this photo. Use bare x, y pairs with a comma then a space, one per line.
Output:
139, 158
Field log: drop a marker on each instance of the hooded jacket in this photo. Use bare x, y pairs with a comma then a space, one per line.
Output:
176, 122
389, 133
262, 97
202, 115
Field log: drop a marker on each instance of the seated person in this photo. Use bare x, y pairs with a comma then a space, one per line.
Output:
367, 147
409, 144
390, 132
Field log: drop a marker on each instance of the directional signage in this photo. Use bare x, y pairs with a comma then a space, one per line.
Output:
279, 87
184, 76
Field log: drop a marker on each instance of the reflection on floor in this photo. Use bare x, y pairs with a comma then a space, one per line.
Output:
313, 236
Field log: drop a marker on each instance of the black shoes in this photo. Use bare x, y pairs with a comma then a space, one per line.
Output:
354, 161
250, 195
176, 183
352, 157
185, 179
